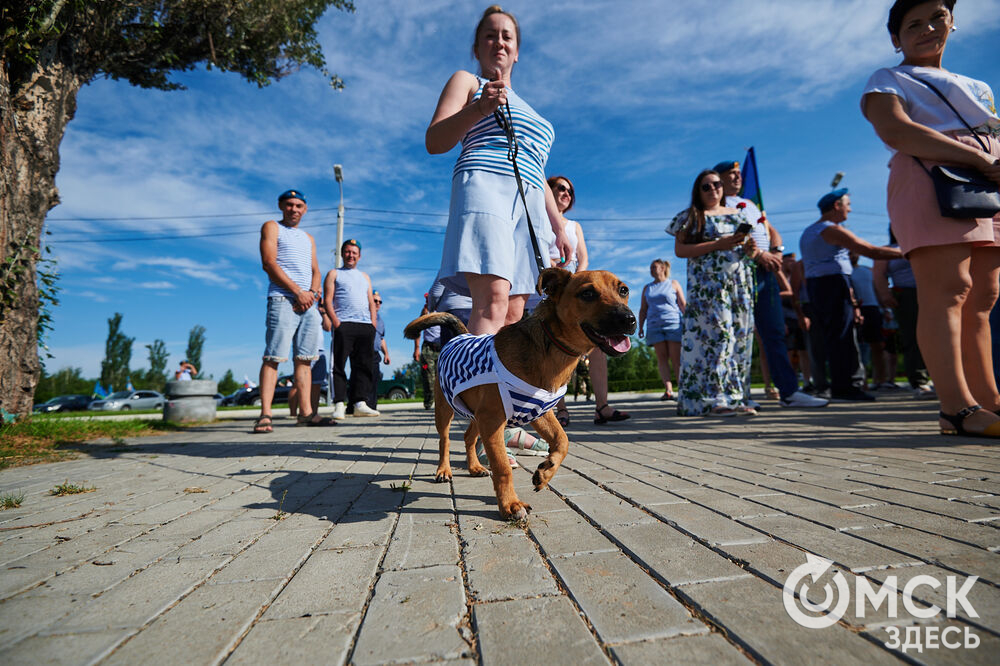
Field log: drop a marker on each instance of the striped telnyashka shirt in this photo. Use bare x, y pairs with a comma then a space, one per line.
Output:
484, 147
295, 258
471, 360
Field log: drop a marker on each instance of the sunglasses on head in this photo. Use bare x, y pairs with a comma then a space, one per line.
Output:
714, 185
560, 188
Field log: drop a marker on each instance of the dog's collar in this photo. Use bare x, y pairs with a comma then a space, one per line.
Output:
559, 345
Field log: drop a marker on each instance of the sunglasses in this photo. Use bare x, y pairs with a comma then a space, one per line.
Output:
714, 185
378, 302
560, 188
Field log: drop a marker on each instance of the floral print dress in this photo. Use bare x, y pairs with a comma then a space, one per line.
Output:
718, 322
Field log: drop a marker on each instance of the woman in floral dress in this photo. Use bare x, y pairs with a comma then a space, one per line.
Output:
718, 322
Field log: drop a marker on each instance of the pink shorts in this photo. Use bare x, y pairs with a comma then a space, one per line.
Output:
913, 207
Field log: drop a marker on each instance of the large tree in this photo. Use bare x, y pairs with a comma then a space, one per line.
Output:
49, 50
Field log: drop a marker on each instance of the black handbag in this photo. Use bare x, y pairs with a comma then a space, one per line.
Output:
962, 192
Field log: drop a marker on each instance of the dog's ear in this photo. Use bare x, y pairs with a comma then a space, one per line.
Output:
551, 281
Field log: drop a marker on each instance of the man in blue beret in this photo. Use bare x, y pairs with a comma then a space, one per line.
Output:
350, 304
825, 246
288, 256
768, 316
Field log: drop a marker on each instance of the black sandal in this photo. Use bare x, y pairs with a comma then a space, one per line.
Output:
562, 415
263, 425
308, 422
600, 419
956, 420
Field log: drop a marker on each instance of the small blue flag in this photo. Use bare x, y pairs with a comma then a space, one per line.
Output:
751, 180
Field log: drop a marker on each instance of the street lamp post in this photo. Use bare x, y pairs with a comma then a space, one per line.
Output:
338, 173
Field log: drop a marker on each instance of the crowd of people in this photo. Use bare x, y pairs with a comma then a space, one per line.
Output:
934, 284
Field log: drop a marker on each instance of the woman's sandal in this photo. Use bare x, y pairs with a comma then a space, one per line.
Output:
308, 422
562, 415
721, 411
522, 441
956, 420
771, 393
600, 419
263, 425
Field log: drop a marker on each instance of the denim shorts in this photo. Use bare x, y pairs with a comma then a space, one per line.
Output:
286, 327
320, 369
663, 334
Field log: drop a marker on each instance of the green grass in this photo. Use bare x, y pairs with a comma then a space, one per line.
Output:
11, 500
67, 488
46, 439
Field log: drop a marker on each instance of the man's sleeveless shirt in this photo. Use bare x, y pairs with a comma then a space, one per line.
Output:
350, 296
295, 258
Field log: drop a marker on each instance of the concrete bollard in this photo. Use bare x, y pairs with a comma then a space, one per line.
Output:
190, 401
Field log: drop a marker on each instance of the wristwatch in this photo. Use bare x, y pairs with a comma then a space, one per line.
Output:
777, 248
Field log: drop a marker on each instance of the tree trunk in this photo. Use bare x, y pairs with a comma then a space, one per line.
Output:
33, 118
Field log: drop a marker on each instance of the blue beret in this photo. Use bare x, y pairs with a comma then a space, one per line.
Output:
827, 200
292, 194
350, 241
722, 167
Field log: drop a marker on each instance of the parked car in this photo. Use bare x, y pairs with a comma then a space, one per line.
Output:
218, 399
251, 396
397, 388
127, 400
64, 403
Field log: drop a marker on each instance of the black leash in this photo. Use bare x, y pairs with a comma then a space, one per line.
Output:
506, 124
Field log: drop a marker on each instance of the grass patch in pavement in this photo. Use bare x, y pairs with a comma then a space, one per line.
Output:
67, 488
37, 440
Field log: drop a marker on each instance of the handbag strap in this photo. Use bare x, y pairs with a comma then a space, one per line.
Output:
945, 100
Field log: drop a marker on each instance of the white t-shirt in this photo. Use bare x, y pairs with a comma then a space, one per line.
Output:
752, 213
972, 99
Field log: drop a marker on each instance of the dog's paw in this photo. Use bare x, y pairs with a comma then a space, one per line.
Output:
442, 475
479, 471
516, 511
543, 475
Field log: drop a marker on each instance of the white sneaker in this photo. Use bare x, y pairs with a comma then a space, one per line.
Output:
803, 400
339, 411
362, 409
924, 392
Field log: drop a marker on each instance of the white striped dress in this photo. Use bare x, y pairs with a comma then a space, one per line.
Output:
471, 360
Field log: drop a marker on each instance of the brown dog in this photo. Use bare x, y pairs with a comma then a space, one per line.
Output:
581, 311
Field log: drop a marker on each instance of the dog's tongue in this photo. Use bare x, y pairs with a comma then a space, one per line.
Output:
620, 344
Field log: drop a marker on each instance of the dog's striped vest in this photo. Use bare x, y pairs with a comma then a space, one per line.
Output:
471, 360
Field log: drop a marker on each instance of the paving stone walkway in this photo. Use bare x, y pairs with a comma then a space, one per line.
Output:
661, 540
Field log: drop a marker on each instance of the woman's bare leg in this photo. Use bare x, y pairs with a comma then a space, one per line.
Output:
943, 286
674, 352
490, 299
977, 347
663, 364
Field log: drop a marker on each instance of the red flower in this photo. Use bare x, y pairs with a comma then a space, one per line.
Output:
741, 205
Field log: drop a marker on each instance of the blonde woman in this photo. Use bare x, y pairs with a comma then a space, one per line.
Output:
487, 249
660, 317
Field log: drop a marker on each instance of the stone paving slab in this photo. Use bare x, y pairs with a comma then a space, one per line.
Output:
662, 539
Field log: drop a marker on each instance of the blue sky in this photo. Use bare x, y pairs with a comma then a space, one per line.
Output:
643, 95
